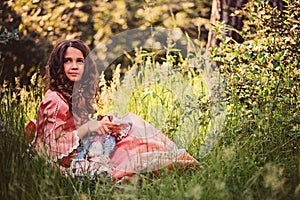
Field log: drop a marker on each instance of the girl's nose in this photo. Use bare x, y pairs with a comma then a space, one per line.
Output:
74, 65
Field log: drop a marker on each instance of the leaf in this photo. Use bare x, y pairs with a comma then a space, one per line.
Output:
247, 55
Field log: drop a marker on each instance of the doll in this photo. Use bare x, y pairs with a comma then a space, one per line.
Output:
94, 145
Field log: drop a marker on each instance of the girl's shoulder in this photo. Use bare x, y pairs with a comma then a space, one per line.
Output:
54, 97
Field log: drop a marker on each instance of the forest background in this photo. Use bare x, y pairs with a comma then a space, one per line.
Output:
39, 25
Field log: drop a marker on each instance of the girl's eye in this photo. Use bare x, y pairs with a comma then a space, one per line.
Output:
80, 61
67, 60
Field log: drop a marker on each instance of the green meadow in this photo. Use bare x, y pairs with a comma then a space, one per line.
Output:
240, 121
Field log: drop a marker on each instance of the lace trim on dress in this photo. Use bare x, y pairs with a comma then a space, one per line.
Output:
74, 147
54, 120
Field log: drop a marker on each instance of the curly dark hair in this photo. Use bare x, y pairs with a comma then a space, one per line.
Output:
80, 101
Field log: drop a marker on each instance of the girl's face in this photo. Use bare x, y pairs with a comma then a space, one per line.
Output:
73, 64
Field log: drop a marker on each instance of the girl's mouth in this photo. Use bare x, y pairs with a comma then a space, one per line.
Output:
73, 74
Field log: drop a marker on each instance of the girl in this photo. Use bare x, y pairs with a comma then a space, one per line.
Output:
63, 126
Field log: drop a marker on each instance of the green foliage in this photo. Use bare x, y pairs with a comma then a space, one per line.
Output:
263, 72
6, 36
262, 82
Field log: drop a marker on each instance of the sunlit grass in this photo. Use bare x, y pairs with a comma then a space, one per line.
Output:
178, 101
183, 104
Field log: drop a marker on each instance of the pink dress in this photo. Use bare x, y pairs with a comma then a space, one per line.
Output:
144, 148
54, 132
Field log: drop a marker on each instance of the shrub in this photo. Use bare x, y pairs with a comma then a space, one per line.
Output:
263, 74
262, 82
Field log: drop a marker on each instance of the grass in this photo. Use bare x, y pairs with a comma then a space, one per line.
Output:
240, 158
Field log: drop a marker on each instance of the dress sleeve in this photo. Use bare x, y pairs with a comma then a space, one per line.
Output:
57, 125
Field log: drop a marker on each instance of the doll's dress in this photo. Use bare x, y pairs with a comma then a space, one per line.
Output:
93, 145
95, 148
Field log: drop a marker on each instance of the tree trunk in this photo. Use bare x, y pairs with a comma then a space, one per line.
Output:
278, 3
221, 11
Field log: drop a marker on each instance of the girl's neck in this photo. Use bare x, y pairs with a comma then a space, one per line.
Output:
76, 87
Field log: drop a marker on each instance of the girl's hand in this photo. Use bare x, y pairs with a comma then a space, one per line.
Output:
103, 127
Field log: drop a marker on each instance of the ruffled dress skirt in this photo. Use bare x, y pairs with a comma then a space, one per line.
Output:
145, 149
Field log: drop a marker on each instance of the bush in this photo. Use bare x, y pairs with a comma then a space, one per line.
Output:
262, 84
263, 74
